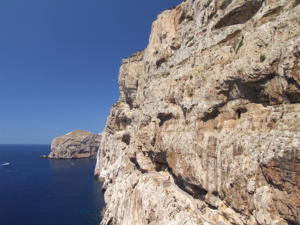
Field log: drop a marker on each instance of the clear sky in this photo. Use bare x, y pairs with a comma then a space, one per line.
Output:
59, 62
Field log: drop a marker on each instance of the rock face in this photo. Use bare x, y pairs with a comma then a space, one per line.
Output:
207, 127
76, 144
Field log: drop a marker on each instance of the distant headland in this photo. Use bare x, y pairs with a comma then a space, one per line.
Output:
76, 144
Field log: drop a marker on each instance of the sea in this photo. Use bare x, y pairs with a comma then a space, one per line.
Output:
36, 191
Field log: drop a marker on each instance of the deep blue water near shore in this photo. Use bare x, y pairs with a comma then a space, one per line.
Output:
36, 191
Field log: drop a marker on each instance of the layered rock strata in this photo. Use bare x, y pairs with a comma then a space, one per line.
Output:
207, 127
76, 144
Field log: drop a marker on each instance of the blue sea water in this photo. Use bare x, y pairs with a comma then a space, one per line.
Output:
35, 191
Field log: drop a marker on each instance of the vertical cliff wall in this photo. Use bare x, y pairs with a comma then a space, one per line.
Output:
207, 127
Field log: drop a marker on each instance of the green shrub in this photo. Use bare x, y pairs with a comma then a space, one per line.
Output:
189, 17
239, 45
173, 7
262, 58
297, 2
189, 40
103, 211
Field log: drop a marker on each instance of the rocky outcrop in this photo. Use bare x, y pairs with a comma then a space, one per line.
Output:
76, 144
207, 127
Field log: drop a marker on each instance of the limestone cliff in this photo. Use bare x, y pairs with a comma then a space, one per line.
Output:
207, 127
76, 144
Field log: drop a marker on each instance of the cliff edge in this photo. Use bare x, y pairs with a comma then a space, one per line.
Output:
207, 127
76, 144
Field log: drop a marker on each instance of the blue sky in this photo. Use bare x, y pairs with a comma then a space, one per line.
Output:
59, 62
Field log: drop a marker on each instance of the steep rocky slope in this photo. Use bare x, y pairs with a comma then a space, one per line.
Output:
207, 127
76, 144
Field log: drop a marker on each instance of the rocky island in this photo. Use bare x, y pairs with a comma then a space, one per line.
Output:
207, 127
76, 144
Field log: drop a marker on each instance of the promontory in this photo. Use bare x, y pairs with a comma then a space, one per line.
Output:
76, 144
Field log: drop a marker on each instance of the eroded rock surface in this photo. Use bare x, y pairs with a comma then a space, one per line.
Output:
207, 127
76, 144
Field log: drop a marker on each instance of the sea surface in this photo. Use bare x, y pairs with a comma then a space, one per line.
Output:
35, 191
